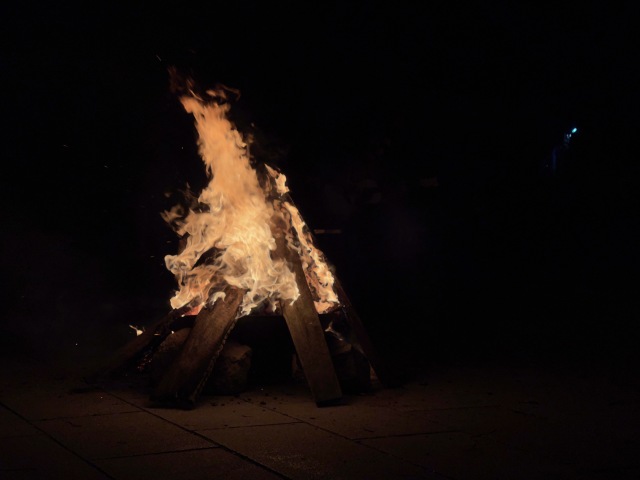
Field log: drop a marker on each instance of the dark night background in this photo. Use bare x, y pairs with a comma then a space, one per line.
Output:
420, 132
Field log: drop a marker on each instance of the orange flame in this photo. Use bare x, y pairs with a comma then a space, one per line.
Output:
318, 275
229, 240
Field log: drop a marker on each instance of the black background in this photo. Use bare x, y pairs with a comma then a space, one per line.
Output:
497, 259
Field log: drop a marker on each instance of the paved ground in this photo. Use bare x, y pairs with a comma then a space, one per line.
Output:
458, 421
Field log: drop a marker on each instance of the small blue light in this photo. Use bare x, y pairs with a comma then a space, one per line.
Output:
574, 130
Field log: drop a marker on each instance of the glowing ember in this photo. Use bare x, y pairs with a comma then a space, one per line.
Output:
229, 233
137, 330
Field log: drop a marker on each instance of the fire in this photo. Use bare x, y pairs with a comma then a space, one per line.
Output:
318, 275
229, 231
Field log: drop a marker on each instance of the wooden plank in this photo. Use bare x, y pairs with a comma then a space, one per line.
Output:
379, 367
183, 381
362, 337
308, 335
151, 337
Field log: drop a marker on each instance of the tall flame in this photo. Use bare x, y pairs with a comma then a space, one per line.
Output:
229, 235
228, 239
317, 273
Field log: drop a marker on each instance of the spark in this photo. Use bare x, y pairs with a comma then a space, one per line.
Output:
138, 331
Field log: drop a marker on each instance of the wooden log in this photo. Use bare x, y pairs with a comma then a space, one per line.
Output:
183, 381
379, 367
307, 333
151, 337
166, 354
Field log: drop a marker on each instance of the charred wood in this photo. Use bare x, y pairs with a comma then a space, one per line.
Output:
130, 353
307, 333
183, 381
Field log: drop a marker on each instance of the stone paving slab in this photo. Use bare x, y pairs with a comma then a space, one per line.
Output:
457, 423
608, 408
462, 456
50, 402
576, 446
477, 420
425, 398
39, 457
411, 396
118, 435
203, 464
132, 394
454, 387
356, 420
301, 451
12, 425
222, 413
609, 473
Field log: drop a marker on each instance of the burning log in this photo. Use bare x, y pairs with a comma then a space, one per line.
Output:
360, 333
185, 378
307, 333
166, 353
230, 374
227, 256
130, 353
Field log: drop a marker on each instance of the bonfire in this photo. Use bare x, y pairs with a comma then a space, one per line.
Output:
245, 249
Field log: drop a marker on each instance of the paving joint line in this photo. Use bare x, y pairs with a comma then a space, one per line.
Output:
89, 415
403, 460
402, 435
231, 427
150, 454
55, 440
219, 445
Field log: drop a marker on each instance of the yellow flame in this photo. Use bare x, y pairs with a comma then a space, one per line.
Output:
318, 275
229, 238
234, 228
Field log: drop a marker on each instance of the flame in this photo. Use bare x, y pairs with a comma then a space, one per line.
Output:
137, 330
318, 275
229, 233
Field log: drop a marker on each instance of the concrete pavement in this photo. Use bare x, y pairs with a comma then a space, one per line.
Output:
459, 421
